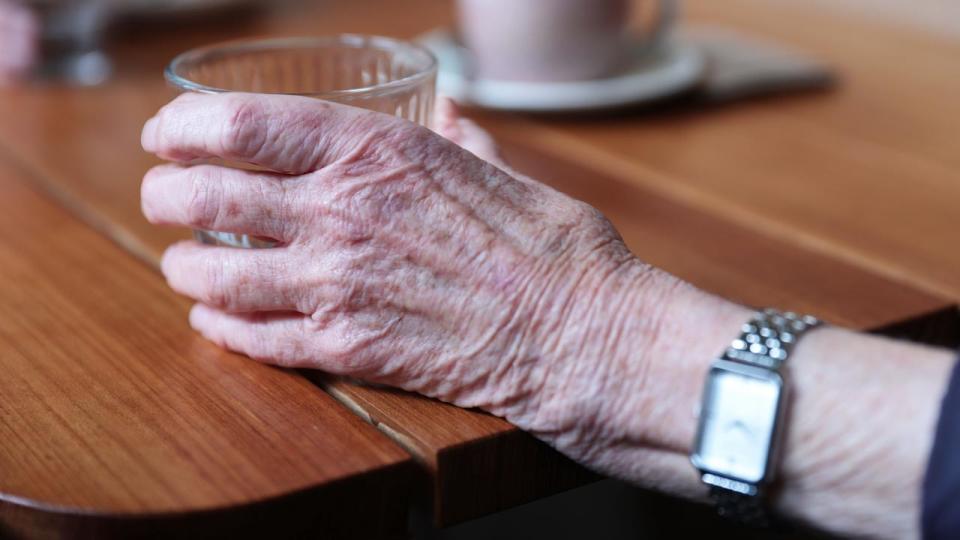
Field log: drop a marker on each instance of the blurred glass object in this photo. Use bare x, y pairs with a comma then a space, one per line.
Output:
71, 34
377, 73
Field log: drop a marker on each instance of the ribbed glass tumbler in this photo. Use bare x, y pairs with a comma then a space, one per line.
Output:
372, 72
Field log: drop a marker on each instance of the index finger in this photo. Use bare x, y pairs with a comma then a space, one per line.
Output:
288, 134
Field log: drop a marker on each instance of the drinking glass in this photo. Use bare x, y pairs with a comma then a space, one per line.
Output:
372, 72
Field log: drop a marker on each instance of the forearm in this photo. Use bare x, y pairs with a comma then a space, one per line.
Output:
864, 417
860, 424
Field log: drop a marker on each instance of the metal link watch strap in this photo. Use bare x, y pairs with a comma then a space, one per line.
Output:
742, 509
766, 340
769, 337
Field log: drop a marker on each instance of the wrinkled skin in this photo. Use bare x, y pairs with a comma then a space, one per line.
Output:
18, 41
405, 259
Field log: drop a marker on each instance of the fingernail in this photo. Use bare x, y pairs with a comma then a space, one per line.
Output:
148, 137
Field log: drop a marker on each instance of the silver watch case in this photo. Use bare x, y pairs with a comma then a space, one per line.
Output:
723, 479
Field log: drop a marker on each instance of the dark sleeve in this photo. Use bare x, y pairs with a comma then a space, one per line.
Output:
941, 487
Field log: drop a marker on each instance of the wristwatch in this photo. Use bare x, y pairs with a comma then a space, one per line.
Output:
742, 414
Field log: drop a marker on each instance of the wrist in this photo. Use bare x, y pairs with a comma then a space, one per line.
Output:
641, 376
854, 451
693, 328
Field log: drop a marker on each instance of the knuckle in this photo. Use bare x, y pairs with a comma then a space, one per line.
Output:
347, 299
377, 138
204, 197
280, 212
585, 213
348, 221
342, 296
589, 219
243, 131
295, 282
218, 287
342, 343
579, 227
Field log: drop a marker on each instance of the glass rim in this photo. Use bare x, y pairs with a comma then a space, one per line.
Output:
263, 44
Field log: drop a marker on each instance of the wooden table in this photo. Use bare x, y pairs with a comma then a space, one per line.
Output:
115, 418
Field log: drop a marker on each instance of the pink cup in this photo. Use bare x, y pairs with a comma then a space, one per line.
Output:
552, 40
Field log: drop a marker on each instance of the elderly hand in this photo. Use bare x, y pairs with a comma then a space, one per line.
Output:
18, 41
404, 259
407, 260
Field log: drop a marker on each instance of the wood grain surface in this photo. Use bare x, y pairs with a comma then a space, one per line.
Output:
867, 173
842, 204
113, 409
478, 463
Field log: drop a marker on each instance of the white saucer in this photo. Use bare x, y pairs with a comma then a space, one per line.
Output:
651, 75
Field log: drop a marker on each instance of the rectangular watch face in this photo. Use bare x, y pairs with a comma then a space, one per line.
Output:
739, 414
